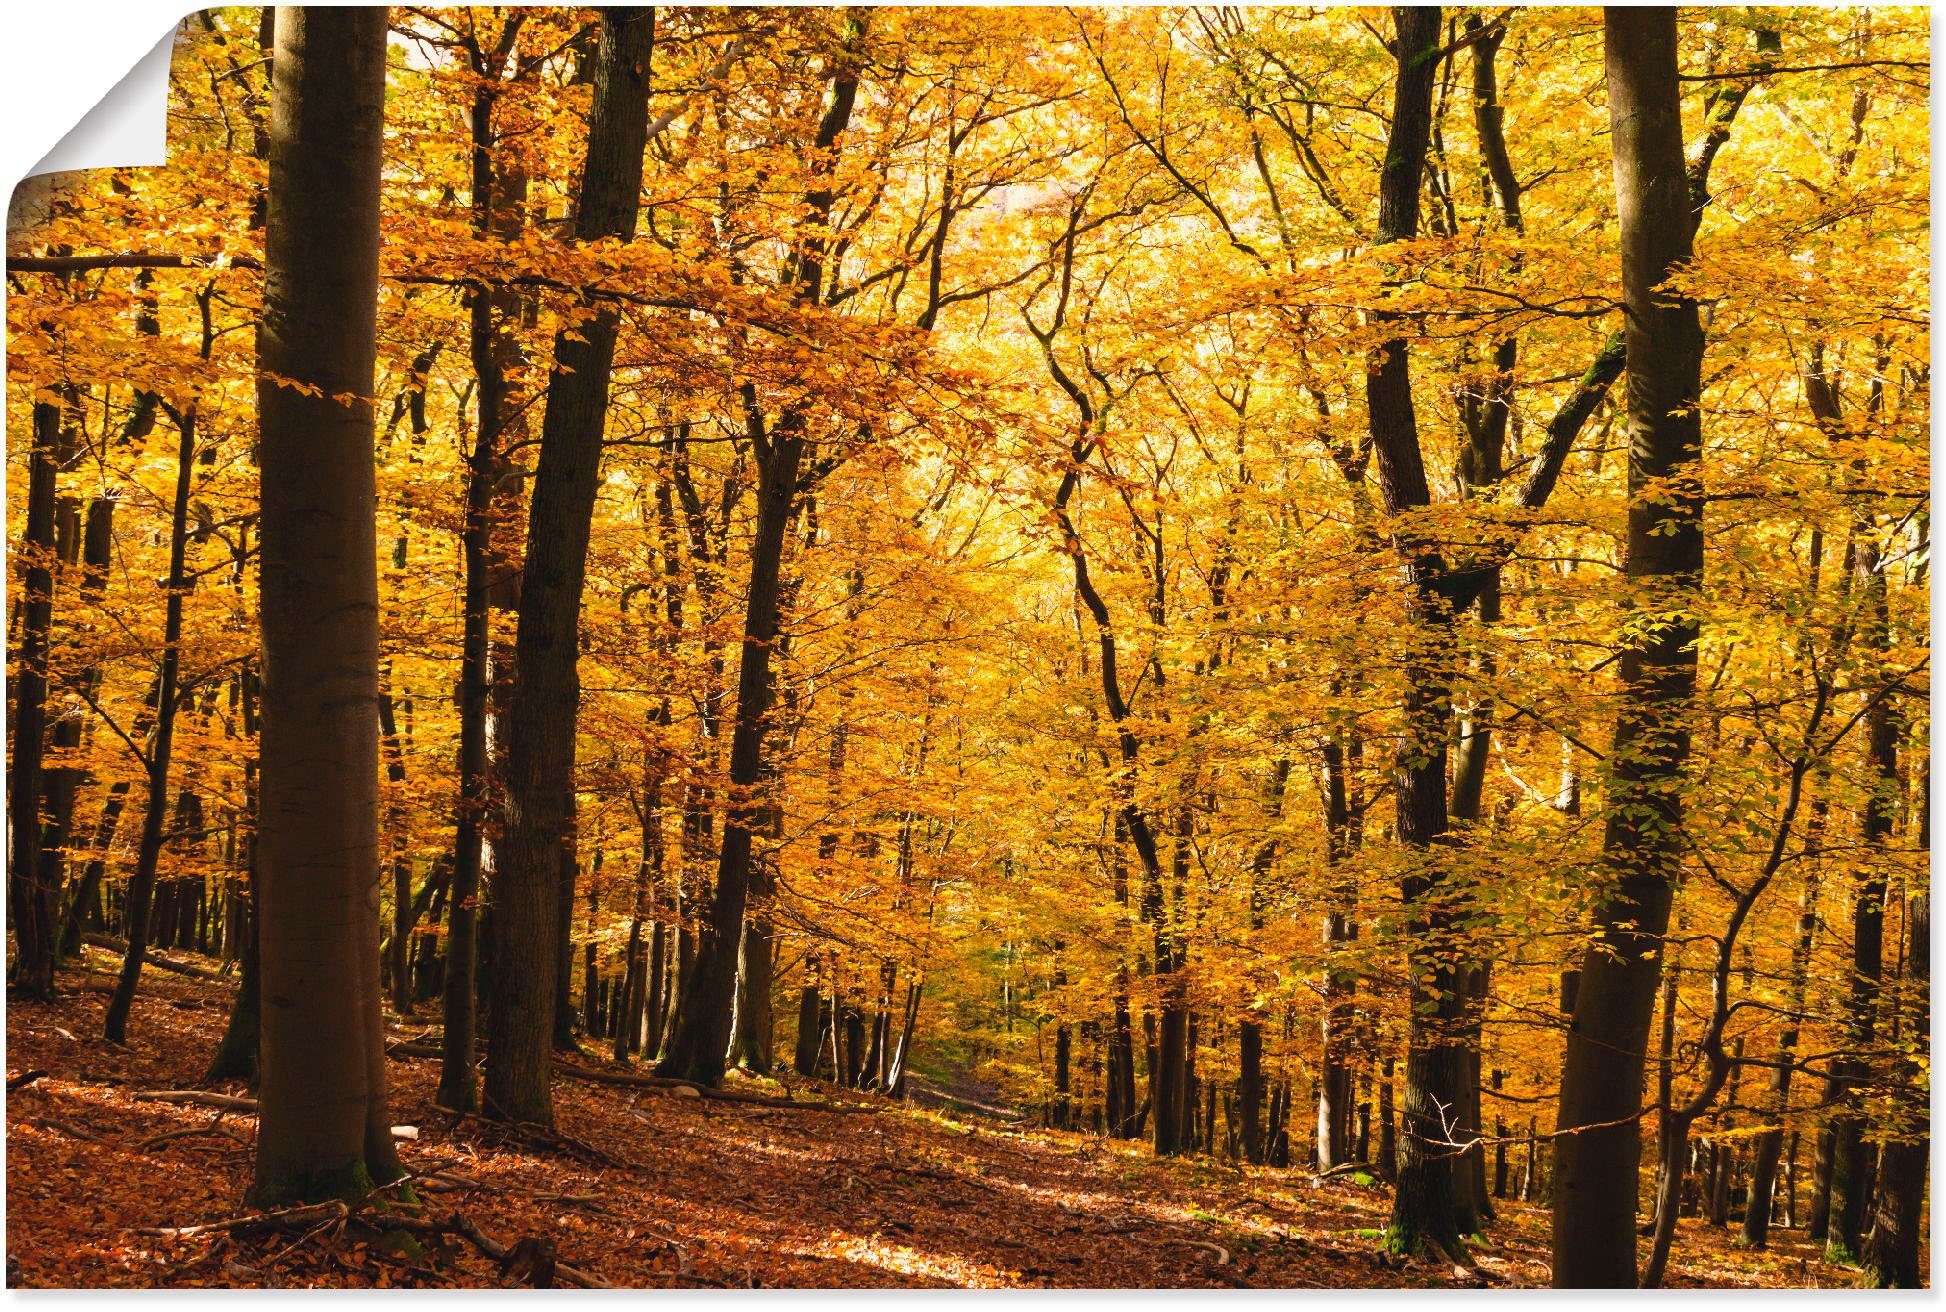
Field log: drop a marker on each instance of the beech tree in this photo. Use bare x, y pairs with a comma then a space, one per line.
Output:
1102, 554
324, 1131
528, 903
1598, 1142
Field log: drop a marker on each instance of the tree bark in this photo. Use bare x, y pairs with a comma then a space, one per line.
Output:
1425, 1213
33, 970
1599, 1135
700, 1046
323, 1130
546, 692
1850, 1160
148, 852
1891, 1254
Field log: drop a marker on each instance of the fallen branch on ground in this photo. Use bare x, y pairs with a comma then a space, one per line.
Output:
1342, 1168
284, 1218
152, 957
169, 1136
458, 1223
634, 1080
1217, 1251
223, 1102
73, 1131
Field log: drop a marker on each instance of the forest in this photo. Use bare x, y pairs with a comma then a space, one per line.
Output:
950, 646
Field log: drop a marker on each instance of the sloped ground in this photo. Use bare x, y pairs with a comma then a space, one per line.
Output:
658, 1190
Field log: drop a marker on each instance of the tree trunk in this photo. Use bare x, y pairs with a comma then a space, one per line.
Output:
323, 1128
566, 1018
69, 735
1850, 1153
1599, 1137
141, 882
236, 1054
404, 908
1891, 1255
1770, 1145
1250, 1090
700, 1046
32, 912
804, 1060
1425, 1205
546, 693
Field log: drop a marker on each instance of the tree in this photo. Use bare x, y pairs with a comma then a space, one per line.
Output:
541, 716
324, 1131
701, 1043
1598, 1142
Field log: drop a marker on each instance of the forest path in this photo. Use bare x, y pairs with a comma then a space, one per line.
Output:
680, 1190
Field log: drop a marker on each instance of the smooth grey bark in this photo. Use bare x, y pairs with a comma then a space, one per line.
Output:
323, 1130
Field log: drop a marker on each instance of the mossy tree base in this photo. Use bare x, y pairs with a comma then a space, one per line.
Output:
350, 1183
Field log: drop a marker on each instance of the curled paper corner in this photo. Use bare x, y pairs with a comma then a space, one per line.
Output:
126, 128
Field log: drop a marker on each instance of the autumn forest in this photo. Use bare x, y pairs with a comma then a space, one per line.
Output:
745, 647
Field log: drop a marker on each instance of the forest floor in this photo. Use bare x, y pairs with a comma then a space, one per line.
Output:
649, 1188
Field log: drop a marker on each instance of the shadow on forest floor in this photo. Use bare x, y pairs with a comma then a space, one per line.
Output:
703, 1192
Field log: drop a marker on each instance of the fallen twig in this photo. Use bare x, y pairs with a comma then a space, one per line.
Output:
635, 1080
199, 1098
282, 1219
73, 1131
1220, 1253
169, 1136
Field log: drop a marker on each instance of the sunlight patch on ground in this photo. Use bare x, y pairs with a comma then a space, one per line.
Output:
930, 1267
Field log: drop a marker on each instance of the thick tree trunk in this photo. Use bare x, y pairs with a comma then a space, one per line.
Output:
323, 1130
546, 693
1599, 1137
804, 1059
755, 1023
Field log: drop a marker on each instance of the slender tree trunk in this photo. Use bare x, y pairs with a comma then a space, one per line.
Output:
236, 1053
97, 542
546, 692
1891, 1254
700, 1046
1770, 1145
323, 1129
1425, 1213
34, 932
1850, 1154
148, 852
1599, 1138
569, 868
404, 908
1250, 1090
